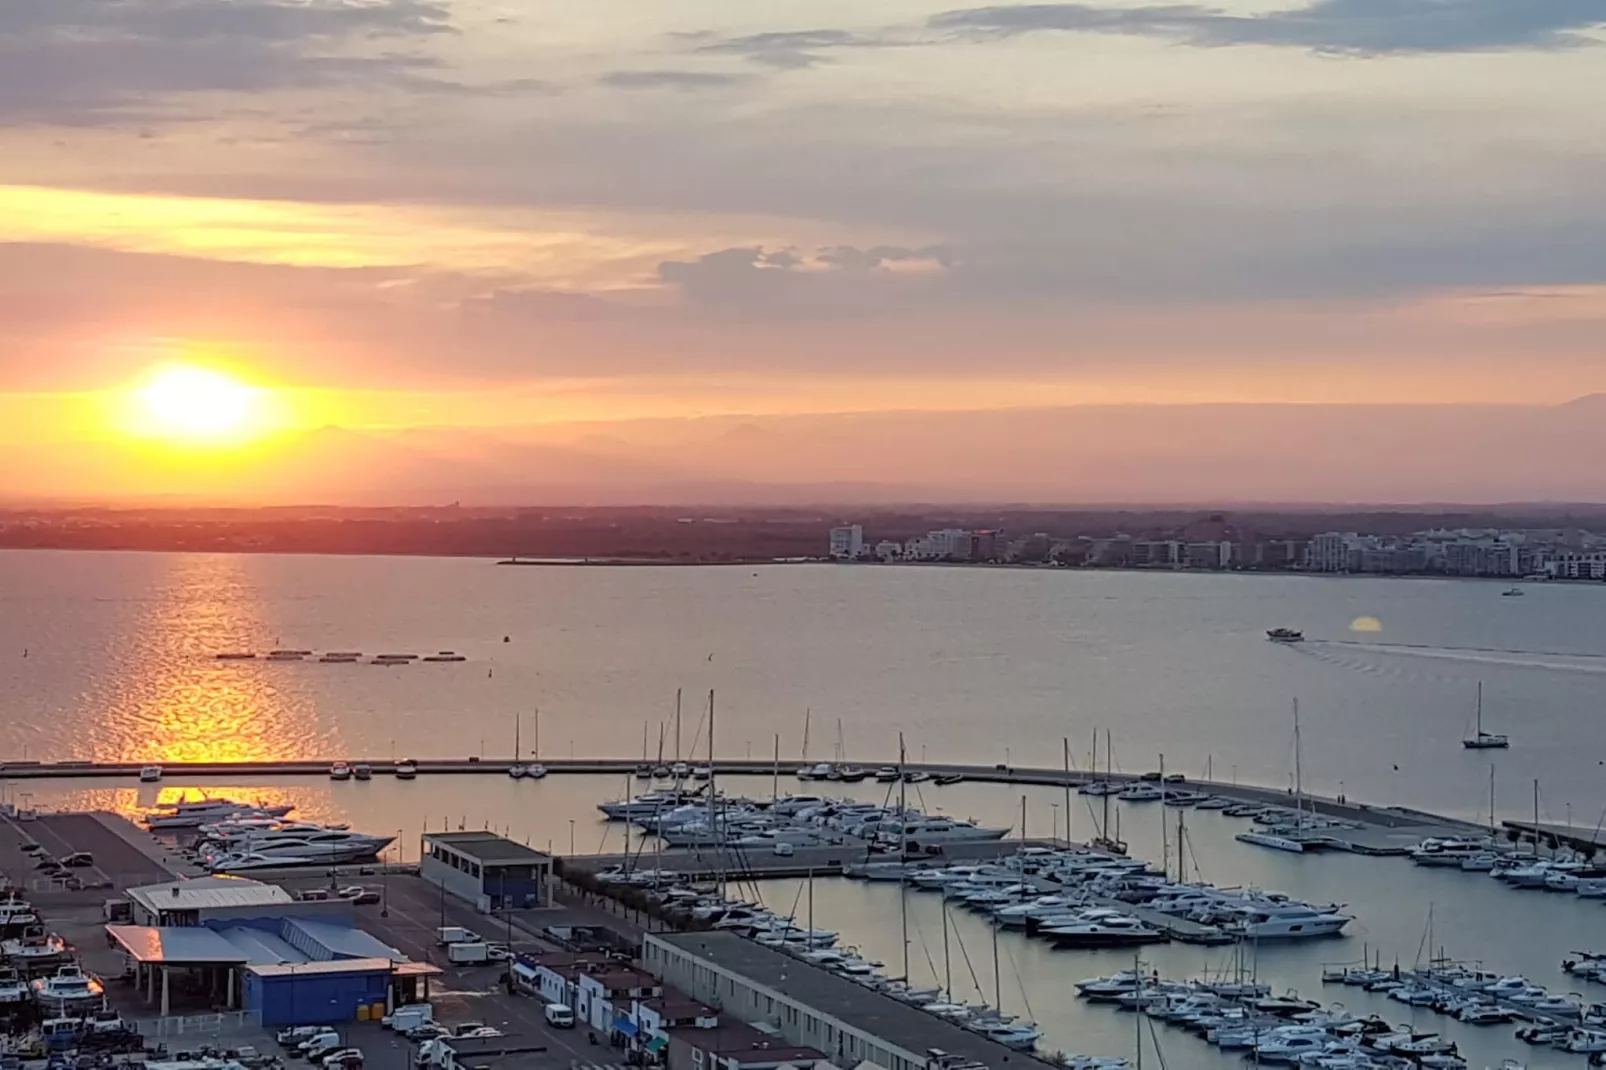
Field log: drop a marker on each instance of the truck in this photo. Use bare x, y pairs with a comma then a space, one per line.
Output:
448, 935
409, 1017
468, 954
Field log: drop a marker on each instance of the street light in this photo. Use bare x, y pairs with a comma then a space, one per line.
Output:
571, 836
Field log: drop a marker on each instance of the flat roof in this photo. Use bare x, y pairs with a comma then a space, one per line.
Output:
744, 1044
868, 1011
487, 847
176, 945
203, 893
299, 969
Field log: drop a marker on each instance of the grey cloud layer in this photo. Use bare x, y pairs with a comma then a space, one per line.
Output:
1364, 27
83, 61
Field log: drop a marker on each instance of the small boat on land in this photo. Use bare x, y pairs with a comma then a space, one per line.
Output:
1285, 635
69, 990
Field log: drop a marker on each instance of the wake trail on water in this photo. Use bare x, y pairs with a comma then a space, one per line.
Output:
1585, 664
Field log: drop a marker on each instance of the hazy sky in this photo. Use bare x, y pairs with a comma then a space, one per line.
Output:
502, 211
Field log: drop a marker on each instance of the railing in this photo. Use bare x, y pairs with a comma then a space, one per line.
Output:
198, 1024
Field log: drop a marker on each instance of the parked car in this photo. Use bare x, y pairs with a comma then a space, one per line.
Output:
1175, 778
785, 850
295, 1034
79, 859
499, 953
482, 1031
428, 1031
32, 848
318, 1045
357, 895
343, 1059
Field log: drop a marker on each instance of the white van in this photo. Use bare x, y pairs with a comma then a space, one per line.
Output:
559, 1016
409, 1017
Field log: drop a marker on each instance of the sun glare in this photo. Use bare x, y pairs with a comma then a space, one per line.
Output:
191, 403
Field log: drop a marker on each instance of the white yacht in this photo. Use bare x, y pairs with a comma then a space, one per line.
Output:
1120, 931
1271, 839
27, 953
69, 991
181, 815
406, 769
1281, 921
940, 830
330, 847
534, 771
1144, 792
246, 861
13, 989
17, 914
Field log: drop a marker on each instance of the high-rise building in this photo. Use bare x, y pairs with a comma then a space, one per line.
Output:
847, 542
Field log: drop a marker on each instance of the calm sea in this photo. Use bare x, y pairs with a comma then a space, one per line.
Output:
113, 656
107, 656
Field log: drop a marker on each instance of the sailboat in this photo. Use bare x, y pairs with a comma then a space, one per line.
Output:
1104, 841
535, 770
1281, 837
1481, 740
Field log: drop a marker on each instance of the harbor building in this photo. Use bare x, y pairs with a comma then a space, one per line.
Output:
489, 871
251, 946
809, 1007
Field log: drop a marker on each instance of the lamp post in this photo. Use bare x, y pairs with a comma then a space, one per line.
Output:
571, 837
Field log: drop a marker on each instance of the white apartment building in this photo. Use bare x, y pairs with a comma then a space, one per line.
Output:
847, 542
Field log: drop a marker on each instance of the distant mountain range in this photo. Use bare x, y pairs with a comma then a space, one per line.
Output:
1105, 454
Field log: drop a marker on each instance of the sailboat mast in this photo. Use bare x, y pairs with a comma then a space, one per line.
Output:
643, 742
806, 715
775, 773
1536, 817
903, 855
947, 963
1165, 847
538, 733
1479, 734
1067, 747
998, 976
518, 722
1108, 762
1137, 973
1491, 799
1299, 784
713, 798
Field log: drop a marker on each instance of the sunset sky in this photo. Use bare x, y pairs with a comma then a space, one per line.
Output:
582, 225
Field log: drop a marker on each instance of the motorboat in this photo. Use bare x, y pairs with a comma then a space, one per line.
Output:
1446, 852
887, 774
534, 771
339, 771
516, 771
876, 871
1285, 635
644, 771
17, 915
1019, 1036
182, 815
1213, 802
1271, 839
1123, 931
13, 989
1098, 787
33, 950
1287, 921
1512, 592
69, 990
444, 656
150, 774
1141, 793
248, 861
406, 769
362, 771
702, 772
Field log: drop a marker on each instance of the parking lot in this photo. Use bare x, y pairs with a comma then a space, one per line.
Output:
407, 918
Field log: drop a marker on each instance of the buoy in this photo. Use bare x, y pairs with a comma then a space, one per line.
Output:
507, 638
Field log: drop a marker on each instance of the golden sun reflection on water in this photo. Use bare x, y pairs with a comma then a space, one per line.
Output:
175, 702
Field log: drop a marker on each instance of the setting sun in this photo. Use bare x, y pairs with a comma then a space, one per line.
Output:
194, 403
